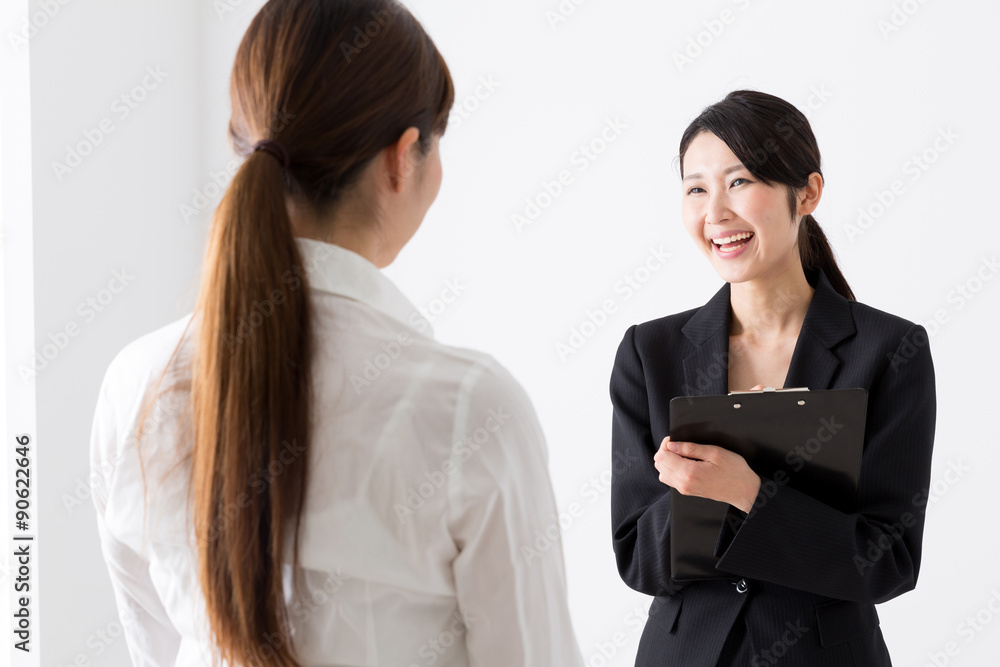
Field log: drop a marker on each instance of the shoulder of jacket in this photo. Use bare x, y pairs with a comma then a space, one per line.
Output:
662, 330
874, 322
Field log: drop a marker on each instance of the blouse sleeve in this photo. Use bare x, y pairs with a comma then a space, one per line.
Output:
640, 502
509, 572
871, 555
151, 638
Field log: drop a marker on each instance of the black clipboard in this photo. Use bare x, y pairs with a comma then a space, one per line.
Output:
815, 437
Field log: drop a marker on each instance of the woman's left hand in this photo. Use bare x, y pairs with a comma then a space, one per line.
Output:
707, 471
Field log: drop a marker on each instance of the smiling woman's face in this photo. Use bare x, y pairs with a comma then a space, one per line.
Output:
721, 198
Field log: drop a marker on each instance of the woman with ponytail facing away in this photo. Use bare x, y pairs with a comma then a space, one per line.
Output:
798, 580
297, 473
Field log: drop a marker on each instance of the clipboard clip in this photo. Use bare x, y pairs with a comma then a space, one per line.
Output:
768, 389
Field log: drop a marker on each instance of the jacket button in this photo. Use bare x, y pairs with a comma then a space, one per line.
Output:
742, 586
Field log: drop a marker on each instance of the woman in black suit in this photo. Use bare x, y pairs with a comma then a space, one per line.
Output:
805, 577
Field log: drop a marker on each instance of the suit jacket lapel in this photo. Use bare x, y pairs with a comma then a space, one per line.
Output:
828, 321
706, 369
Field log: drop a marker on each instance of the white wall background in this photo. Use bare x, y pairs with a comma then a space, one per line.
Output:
875, 101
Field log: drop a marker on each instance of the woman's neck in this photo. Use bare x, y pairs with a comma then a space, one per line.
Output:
772, 305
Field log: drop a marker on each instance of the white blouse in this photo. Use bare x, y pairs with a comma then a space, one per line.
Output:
429, 534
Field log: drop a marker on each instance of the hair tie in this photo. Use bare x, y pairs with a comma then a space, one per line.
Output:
275, 149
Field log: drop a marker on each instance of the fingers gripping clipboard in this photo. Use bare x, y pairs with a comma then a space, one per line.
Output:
808, 440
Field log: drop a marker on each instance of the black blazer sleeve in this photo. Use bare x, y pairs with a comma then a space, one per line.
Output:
872, 555
640, 505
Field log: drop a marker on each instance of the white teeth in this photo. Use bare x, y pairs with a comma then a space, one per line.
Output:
734, 237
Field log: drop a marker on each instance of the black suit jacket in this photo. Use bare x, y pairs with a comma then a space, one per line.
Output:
805, 576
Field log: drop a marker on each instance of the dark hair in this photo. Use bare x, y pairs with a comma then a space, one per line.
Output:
775, 143
334, 82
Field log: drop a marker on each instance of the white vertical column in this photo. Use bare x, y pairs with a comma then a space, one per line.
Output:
19, 568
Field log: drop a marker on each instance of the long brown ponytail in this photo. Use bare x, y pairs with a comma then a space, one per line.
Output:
334, 82
775, 142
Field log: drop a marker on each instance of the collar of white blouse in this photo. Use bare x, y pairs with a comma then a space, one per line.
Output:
337, 270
